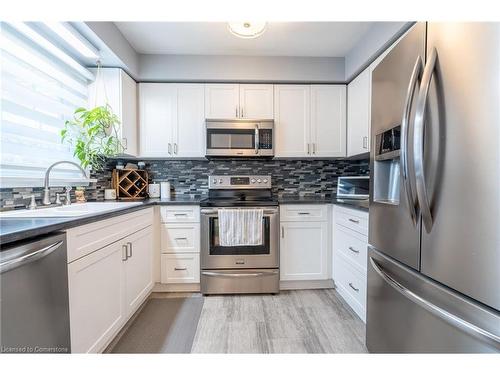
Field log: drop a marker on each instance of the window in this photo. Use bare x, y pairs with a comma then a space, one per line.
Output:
41, 86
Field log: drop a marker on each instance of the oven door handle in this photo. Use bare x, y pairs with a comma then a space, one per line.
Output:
242, 274
207, 212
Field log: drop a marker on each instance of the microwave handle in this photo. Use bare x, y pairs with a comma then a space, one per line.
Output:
256, 138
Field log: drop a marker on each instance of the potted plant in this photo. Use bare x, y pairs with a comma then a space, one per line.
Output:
93, 134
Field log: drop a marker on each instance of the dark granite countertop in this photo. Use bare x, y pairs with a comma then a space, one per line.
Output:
15, 229
361, 204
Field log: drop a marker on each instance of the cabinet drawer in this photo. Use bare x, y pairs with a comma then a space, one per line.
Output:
180, 268
351, 285
180, 214
91, 237
180, 238
352, 245
354, 219
304, 212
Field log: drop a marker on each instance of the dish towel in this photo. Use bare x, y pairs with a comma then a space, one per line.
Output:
240, 227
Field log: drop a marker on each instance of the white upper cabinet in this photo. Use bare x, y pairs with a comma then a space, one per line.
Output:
222, 101
119, 90
358, 114
292, 120
157, 106
310, 121
189, 131
172, 119
256, 101
230, 101
328, 120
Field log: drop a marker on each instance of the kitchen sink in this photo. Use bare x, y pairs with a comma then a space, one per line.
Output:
74, 210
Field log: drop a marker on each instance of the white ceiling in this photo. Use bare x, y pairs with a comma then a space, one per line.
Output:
332, 39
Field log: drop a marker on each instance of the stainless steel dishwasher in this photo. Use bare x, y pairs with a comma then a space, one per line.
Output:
34, 296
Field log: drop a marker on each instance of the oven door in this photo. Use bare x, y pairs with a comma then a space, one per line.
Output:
214, 256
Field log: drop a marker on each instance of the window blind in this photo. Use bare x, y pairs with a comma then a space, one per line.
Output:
41, 86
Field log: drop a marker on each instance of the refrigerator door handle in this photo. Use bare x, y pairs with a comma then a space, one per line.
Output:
418, 142
405, 129
436, 310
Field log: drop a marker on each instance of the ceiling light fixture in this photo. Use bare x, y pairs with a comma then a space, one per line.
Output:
74, 39
247, 30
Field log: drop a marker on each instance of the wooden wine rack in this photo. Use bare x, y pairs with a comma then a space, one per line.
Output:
130, 184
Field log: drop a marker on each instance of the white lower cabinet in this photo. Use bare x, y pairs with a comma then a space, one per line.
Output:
350, 245
180, 246
180, 268
304, 243
96, 287
107, 285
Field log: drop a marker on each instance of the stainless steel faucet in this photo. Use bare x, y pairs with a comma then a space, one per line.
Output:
46, 191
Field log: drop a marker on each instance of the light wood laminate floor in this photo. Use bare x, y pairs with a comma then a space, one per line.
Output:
301, 321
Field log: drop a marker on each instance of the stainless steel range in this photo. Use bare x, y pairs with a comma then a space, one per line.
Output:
239, 269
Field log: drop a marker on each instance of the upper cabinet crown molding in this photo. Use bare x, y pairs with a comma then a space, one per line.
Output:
244, 101
118, 90
310, 120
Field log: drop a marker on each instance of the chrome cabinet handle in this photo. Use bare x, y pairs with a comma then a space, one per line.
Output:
180, 268
29, 257
354, 221
129, 250
353, 250
181, 239
124, 252
170, 148
282, 232
405, 130
236, 111
314, 148
125, 143
175, 148
436, 310
353, 288
308, 149
180, 214
256, 138
303, 213
418, 142
365, 143
242, 115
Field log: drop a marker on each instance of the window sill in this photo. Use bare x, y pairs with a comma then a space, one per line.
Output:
20, 182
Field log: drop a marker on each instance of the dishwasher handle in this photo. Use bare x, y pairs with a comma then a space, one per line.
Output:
28, 257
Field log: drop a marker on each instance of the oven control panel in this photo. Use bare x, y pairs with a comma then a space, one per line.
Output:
239, 182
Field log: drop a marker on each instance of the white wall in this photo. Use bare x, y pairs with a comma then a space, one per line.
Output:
380, 36
240, 68
113, 39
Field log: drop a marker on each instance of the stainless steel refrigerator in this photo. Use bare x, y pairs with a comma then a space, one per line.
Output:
434, 233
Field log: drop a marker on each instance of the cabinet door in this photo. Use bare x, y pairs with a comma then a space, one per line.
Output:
96, 289
138, 268
189, 132
358, 114
304, 251
157, 102
256, 101
129, 113
222, 101
292, 120
328, 120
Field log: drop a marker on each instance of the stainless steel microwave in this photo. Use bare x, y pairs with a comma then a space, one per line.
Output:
239, 138
353, 187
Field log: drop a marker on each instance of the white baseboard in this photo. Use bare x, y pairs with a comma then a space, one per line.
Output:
306, 284
159, 287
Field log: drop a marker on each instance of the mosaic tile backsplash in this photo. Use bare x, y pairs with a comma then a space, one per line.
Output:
191, 176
